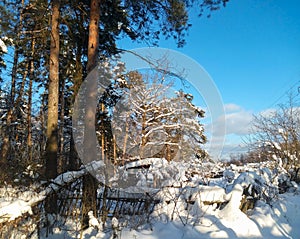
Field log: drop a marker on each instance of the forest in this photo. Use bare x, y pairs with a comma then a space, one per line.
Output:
90, 149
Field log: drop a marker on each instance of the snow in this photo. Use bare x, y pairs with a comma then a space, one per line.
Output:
13, 207
3, 47
264, 222
93, 222
147, 161
276, 146
114, 222
207, 194
190, 211
12, 210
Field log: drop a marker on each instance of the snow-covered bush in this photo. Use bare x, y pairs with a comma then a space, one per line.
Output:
276, 136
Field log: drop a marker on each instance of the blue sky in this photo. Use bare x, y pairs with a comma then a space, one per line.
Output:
251, 49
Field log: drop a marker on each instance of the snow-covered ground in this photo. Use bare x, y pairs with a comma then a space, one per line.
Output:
281, 219
193, 210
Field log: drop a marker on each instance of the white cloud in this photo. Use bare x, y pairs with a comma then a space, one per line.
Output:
237, 121
237, 124
232, 107
268, 112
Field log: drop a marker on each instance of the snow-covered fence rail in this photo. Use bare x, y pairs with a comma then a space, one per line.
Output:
27, 207
16, 207
130, 201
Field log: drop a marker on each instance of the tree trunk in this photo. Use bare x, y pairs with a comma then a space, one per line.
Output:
89, 182
89, 198
144, 138
8, 132
53, 100
18, 100
74, 161
115, 153
29, 128
10, 118
93, 43
125, 140
31, 76
61, 161
103, 143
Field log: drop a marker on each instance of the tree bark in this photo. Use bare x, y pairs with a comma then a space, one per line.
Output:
31, 76
8, 133
53, 100
89, 200
61, 161
103, 143
74, 161
18, 101
93, 43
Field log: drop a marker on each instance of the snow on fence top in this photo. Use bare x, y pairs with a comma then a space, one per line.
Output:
146, 162
12, 208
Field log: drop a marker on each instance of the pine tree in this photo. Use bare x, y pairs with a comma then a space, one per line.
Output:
5, 147
53, 101
89, 200
150, 121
